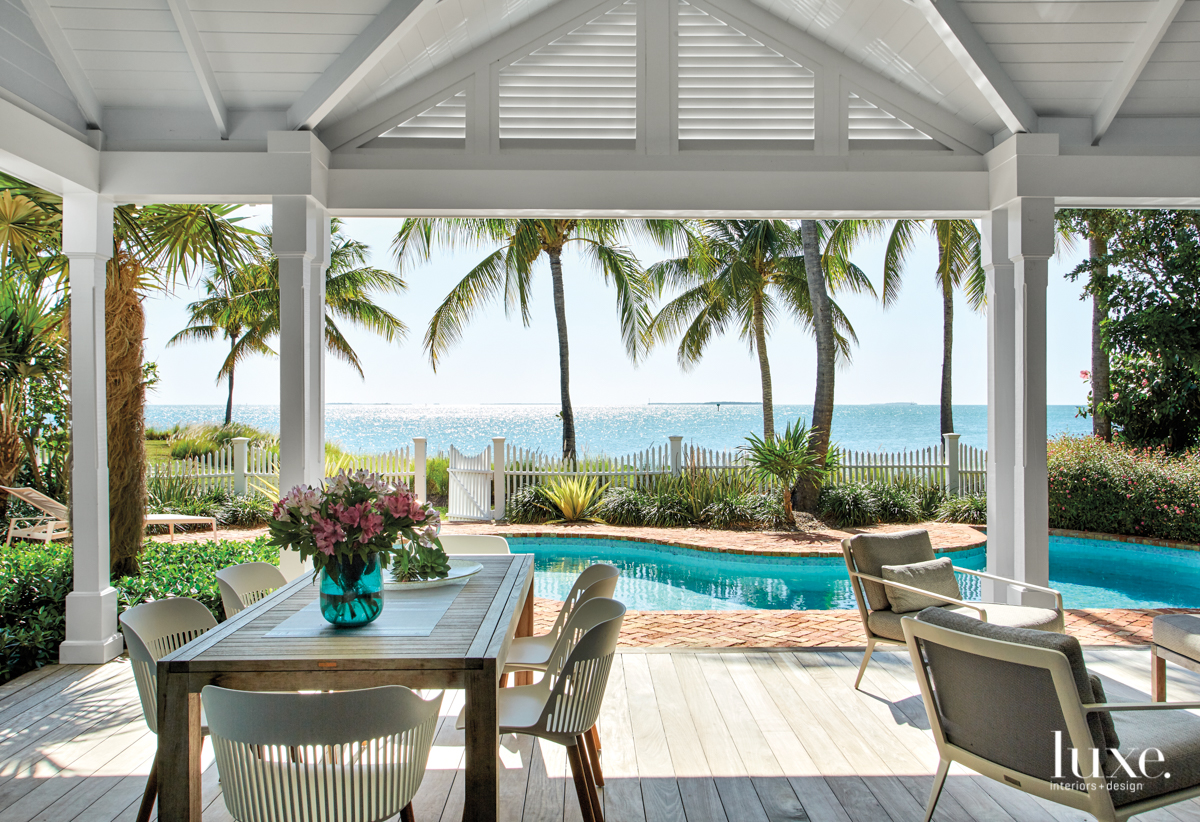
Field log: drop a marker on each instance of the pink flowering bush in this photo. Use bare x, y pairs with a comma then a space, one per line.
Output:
352, 515
1117, 489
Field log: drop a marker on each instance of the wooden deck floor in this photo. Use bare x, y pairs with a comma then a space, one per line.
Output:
688, 737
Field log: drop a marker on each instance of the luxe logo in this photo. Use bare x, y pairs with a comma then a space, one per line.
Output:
1125, 767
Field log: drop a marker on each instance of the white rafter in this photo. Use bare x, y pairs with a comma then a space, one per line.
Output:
353, 64
973, 54
64, 57
199, 57
1160, 20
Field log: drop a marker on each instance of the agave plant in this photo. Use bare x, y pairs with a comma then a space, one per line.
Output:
575, 498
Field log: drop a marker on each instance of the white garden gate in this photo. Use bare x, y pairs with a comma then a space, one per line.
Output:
471, 485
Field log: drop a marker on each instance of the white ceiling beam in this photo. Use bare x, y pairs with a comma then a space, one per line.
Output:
42, 154
186, 24
68, 63
973, 54
353, 64
1139, 54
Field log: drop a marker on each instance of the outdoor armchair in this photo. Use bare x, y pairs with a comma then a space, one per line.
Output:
1018, 706
55, 525
243, 585
867, 554
153, 630
345, 756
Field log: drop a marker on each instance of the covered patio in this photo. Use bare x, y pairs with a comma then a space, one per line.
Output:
1000, 112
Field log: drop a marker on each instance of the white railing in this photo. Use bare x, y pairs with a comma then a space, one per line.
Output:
965, 475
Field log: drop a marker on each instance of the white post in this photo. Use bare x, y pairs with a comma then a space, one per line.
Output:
953, 485
419, 477
315, 450
498, 460
241, 463
87, 240
676, 454
295, 239
1001, 420
1030, 245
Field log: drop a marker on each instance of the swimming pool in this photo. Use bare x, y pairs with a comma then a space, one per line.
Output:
1091, 573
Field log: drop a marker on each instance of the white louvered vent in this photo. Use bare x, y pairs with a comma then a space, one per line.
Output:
580, 90
736, 92
872, 127
445, 124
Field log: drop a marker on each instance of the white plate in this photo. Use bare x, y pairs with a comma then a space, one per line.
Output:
460, 569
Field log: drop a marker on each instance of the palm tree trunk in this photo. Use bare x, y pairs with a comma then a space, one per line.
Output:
1101, 423
564, 365
806, 491
947, 353
764, 369
229, 401
125, 324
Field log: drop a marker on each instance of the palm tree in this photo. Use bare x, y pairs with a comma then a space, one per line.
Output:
243, 305
959, 266
153, 247
507, 273
741, 274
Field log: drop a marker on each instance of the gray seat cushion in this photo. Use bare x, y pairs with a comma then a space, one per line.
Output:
887, 623
1175, 733
1179, 633
873, 551
1104, 734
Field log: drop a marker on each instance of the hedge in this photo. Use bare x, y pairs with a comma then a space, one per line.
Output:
1116, 489
35, 581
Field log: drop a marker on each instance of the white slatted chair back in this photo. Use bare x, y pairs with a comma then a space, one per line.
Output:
473, 544
346, 756
40, 501
243, 585
578, 672
599, 580
153, 630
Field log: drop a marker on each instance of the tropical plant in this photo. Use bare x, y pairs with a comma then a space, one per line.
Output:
741, 274
970, 509
507, 274
575, 497
153, 247
242, 305
788, 459
960, 265
1098, 226
530, 505
849, 505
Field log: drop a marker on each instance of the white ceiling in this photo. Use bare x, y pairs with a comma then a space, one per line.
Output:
1062, 56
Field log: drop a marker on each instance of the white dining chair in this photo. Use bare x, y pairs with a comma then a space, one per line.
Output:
565, 704
473, 544
243, 585
153, 630
344, 756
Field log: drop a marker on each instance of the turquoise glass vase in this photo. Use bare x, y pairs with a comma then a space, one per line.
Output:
355, 597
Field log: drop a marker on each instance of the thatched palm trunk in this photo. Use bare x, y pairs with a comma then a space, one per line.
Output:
564, 357
947, 354
764, 369
1101, 423
806, 492
125, 324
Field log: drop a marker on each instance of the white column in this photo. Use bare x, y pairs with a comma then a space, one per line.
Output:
295, 240
1030, 245
92, 636
1001, 447
315, 452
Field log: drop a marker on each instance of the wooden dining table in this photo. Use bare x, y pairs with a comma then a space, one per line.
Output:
466, 650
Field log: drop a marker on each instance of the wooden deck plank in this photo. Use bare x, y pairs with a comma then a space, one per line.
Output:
661, 798
622, 792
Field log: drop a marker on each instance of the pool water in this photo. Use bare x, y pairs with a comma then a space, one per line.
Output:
1091, 573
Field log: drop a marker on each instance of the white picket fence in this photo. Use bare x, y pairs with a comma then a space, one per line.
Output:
929, 466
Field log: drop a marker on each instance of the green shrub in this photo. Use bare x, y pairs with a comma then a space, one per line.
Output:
529, 505
969, 508
182, 494
437, 476
894, 502
851, 505
162, 433
747, 511
35, 581
667, 508
1116, 489
204, 438
623, 506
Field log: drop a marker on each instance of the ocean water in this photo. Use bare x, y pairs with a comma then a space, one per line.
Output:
612, 430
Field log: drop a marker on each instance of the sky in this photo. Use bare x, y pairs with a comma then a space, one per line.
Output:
498, 360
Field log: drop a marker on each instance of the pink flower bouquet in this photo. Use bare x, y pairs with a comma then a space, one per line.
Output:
353, 515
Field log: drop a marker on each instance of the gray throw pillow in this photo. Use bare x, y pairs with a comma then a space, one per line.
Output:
935, 576
871, 552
